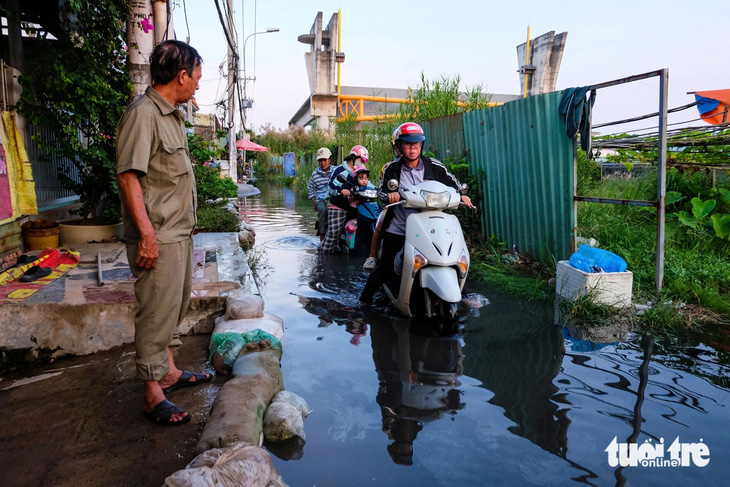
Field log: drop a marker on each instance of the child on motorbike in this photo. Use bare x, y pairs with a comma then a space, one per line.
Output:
367, 209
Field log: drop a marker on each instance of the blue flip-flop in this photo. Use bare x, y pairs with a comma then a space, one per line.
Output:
184, 381
162, 414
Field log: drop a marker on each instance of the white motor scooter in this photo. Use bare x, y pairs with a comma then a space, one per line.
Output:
435, 256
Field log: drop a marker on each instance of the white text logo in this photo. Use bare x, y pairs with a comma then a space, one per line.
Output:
650, 454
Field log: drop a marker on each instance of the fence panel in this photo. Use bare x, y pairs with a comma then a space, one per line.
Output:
525, 163
445, 136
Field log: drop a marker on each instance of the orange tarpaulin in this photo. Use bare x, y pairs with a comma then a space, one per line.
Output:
720, 99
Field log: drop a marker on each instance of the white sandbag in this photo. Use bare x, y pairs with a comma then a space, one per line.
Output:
295, 400
241, 304
271, 324
239, 464
283, 421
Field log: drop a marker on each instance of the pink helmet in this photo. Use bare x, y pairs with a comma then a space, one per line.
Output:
359, 151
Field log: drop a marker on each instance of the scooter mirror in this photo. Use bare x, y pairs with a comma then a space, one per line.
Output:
464, 188
393, 184
342, 177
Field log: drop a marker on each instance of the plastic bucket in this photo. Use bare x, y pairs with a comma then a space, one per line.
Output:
40, 234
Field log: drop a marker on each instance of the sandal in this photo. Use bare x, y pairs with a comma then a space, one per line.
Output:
369, 264
36, 272
162, 414
184, 381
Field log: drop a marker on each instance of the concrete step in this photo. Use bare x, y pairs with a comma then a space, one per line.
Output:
80, 313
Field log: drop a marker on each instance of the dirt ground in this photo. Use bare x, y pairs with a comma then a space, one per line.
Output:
78, 421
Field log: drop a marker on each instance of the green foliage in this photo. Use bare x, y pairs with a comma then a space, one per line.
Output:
441, 97
215, 218
589, 173
487, 265
470, 220
201, 149
211, 186
697, 269
705, 218
586, 311
663, 318
77, 88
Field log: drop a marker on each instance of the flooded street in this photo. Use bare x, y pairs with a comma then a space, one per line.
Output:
513, 400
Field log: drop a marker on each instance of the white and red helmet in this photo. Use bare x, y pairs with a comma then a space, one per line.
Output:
409, 132
359, 151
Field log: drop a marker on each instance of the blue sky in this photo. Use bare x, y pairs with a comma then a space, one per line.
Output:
388, 44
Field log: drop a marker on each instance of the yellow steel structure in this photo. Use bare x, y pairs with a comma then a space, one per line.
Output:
349, 105
527, 60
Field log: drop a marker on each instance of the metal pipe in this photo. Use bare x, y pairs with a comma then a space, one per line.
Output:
613, 201
628, 79
574, 242
99, 277
661, 176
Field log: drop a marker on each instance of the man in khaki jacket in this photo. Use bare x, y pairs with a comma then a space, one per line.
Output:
157, 189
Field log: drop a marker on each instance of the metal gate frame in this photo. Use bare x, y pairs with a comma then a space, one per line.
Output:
659, 204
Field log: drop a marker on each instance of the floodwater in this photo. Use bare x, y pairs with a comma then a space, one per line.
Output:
513, 400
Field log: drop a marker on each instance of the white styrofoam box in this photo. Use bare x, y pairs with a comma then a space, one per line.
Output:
612, 288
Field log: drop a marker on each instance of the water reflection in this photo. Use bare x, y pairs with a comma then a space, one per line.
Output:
418, 377
518, 399
518, 355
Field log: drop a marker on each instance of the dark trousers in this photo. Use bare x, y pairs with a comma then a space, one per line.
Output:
383, 271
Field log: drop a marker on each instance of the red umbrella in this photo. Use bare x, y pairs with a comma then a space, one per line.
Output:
244, 144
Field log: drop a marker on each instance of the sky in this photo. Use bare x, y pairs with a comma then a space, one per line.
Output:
388, 44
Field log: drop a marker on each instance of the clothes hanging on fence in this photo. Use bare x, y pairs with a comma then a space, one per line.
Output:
576, 111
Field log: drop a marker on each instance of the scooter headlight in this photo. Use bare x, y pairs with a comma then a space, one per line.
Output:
436, 200
419, 260
463, 264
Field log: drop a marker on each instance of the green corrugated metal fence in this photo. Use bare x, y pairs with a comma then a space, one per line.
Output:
445, 136
525, 163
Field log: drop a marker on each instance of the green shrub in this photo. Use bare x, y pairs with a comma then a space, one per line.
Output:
215, 218
211, 186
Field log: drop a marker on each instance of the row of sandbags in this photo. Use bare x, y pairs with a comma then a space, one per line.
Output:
250, 407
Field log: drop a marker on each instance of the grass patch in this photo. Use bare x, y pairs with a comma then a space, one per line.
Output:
259, 265
697, 268
493, 264
585, 311
216, 218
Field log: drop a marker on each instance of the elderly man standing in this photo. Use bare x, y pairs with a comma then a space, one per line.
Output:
318, 191
157, 189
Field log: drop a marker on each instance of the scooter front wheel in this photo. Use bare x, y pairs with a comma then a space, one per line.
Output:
442, 312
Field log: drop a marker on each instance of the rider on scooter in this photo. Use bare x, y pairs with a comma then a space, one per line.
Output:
410, 169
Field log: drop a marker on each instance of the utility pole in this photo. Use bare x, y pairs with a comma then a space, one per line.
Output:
141, 39
232, 81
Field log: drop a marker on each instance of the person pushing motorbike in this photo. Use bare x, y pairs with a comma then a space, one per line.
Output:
410, 169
